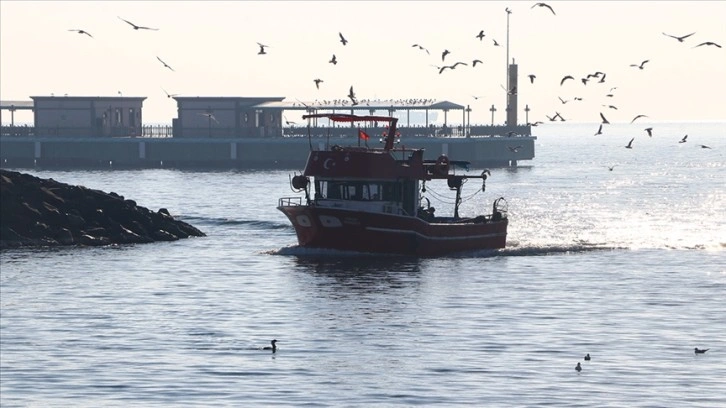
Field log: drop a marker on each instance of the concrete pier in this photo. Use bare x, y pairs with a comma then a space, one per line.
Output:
248, 153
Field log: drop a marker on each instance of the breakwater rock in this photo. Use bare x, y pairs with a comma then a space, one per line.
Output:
44, 212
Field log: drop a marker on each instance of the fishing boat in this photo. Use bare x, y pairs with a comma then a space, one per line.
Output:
374, 199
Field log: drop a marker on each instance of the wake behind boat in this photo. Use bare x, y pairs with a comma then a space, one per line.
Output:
359, 198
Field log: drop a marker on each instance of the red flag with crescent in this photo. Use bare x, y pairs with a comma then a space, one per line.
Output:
363, 135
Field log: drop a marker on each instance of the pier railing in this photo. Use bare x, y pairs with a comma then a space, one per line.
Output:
167, 131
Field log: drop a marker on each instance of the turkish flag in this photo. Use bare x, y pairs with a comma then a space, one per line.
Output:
363, 135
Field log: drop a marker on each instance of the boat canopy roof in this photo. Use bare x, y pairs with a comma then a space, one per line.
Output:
342, 117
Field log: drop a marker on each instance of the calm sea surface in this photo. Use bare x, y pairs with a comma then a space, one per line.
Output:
628, 265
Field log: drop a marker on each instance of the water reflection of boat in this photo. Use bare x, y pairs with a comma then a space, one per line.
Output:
366, 199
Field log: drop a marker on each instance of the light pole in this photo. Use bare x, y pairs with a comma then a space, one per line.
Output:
492, 110
507, 61
468, 121
526, 113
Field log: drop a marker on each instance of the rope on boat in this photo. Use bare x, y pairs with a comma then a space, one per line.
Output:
442, 199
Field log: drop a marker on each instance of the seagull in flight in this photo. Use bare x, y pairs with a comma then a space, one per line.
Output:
603, 118
562, 100
289, 122
680, 39
137, 27
342, 39
351, 95
637, 117
496, 44
333, 60
165, 64
566, 78
587, 357
262, 49
650, 131
476, 61
168, 95
639, 66
531, 78
708, 43
317, 82
514, 149
481, 35
421, 47
630, 144
209, 115
599, 130
705, 147
684, 139
82, 32
444, 54
544, 5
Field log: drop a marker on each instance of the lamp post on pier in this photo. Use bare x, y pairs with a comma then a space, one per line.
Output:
468, 121
526, 113
492, 110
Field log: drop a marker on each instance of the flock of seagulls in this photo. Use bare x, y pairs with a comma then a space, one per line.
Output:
599, 77
596, 77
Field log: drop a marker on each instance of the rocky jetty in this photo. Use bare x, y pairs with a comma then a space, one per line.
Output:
43, 212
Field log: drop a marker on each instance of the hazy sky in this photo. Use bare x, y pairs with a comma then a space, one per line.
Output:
212, 47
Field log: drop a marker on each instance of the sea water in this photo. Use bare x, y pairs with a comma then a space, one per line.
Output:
628, 265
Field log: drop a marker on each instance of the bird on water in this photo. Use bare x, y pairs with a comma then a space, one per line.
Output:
699, 351
578, 367
273, 346
587, 356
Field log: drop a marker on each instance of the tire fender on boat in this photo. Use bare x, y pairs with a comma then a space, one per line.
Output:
442, 165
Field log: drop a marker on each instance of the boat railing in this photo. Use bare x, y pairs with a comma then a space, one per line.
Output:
290, 201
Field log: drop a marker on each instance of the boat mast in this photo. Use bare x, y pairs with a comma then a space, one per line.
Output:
390, 138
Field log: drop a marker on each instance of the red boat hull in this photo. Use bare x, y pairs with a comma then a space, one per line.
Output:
331, 228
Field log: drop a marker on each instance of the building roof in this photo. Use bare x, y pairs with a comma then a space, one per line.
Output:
365, 104
446, 105
91, 98
247, 100
19, 105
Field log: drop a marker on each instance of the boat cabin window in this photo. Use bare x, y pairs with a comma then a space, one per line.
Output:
358, 190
